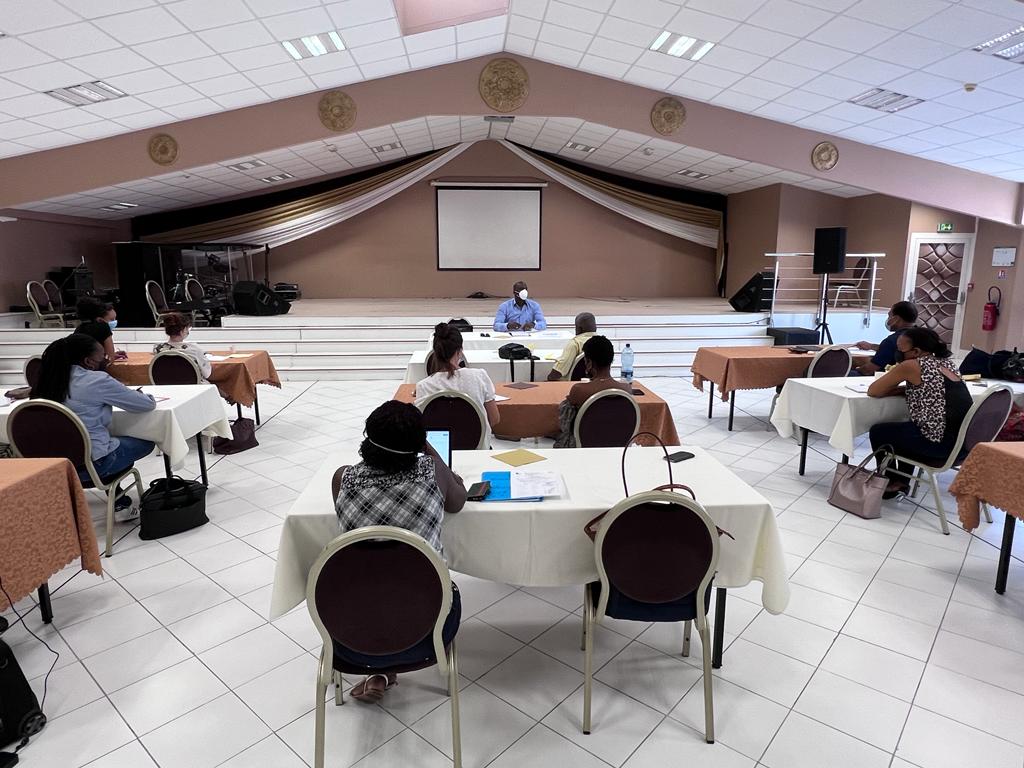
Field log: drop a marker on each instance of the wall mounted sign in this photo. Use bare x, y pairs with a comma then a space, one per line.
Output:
1003, 257
945, 226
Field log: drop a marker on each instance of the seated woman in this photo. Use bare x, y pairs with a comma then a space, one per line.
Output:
98, 320
598, 354
177, 326
474, 382
402, 482
72, 373
937, 399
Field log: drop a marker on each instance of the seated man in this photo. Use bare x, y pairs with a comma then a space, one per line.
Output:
598, 354
902, 315
586, 326
520, 313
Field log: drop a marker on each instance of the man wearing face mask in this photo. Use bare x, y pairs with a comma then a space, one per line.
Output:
902, 316
72, 373
520, 313
98, 320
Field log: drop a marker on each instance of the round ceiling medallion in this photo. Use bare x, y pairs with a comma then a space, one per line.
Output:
163, 149
824, 156
337, 111
668, 115
504, 85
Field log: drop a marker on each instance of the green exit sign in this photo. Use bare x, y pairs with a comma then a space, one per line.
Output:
945, 226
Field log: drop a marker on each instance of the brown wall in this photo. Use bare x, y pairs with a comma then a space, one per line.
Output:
29, 247
1009, 330
878, 224
586, 250
924, 218
752, 230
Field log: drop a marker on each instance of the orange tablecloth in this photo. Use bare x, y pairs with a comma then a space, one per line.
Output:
747, 367
993, 472
534, 412
235, 378
40, 502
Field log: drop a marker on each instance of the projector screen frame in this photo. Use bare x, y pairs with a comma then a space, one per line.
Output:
537, 187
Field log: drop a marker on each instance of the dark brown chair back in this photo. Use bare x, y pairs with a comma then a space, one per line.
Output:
38, 430
33, 366
579, 370
657, 552
39, 296
607, 422
56, 301
459, 417
860, 269
378, 597
194, 289
336, 482
830, 363
987, 417
171, 368
156, 293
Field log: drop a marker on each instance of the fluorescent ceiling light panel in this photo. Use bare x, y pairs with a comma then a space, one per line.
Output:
884, 101
84, 94
681, 46
314, 45
693, 174
1009, 45
119, 207
246, 165
387, 147
579, 147
277, 177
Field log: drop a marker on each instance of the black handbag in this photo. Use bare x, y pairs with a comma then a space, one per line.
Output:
462, 324
172, 505
1013, 367
243, 437
20, 715
514, 351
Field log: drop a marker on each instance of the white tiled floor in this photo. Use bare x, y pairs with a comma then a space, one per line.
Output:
895, 650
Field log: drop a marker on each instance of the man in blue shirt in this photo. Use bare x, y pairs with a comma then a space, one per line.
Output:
902, 315
520, 313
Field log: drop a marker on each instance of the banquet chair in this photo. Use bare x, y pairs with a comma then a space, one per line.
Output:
981, 425
33, 366
459, 414
831, 362
578, 372
380, 597
860, 273
56, 301
336, 482
46, 315
172, 368
608, 419
196, 293
656, 555
43, 429
157, 302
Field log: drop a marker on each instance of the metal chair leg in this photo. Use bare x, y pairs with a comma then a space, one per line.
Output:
943, 523
339, 689
917, 482
987, 512
321, 713
453, 687
588, 662
111, 500
583, 631
687, 626
709, 704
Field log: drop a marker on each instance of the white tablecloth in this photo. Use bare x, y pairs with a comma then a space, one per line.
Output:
553, 337
189, 410
488, 359
543, 543
830, 407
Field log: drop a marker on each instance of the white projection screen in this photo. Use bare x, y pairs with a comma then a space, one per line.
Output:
488, 228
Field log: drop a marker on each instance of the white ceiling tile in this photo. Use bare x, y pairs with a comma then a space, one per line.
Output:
703, 26
961, 26
981, 100
480, 47
202, 14
141, 26
823, 123
368, 34
991, 165
174, 49
44, 77
942, 136
693, 90
145, 119
870, 71
733, 59
934, 114
760, 41
271, 7
14, 54
288, 26
834, 87
775, 111
427, 41
897, 15
923, 85
866, 134
96, 130
60, 138
626, 31
980, 125
331, 62
323, 80
652, 12
851, 113
356, 12
564, 38
32, 104
786, 74
109, 63
898, 125
259, 57
243, 98
535, 9
142, 82
21, 17
476, 30
385, 67
806, 100
1014, 113
388, 49
573, 17
215, 86
520, 25
814, 56
193, 108
9, 90
64, 118
648, 78
435, 56
1009, 8
605, 67
852, 34
169, 96
702, 73
556, 54
237, 36
763, 89
1011, 84
616, 51
907, 144
275, 73
663, 63
789, 17
739, 101
911, 50
15, 129
973, 67
200, 69
731, 9
71, 40
118, 107
517, 44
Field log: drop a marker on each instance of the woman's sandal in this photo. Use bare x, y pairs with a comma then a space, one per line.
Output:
372, 689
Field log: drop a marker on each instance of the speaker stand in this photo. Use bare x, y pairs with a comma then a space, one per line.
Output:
822, 326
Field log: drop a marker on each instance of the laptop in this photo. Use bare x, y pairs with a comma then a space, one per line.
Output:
441, 441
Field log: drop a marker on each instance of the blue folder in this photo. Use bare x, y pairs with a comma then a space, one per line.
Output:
501, 487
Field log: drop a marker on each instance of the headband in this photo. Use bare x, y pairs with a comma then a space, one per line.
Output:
390, 450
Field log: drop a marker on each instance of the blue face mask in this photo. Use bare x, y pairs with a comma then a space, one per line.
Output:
112, 324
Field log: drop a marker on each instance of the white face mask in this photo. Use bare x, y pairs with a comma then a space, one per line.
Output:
523, 294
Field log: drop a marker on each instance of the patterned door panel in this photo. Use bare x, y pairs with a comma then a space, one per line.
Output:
937, 286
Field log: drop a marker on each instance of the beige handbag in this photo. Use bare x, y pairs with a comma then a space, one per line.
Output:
858, 489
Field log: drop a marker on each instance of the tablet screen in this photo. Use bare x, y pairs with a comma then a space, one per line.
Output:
440, 441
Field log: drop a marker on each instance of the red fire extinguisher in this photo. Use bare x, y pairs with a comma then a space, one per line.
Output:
991, 311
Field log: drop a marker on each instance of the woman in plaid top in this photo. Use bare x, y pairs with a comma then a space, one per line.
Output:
401, 482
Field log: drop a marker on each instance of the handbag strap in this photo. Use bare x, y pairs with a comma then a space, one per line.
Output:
625, 488
676, 487
886, 452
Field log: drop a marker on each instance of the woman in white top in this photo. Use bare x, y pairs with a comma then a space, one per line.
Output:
471, 381
177, 326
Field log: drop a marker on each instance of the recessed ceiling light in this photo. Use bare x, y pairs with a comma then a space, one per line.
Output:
387, 147
119, 207
86, 93
693, 174
499, 118
314, 45
277, 177
246, 165
681, 46
579, 147
884, 101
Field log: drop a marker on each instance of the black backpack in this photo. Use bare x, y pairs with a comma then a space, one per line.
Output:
462, 324
20, 716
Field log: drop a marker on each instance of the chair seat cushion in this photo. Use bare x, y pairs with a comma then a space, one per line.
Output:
622, 607
419, 656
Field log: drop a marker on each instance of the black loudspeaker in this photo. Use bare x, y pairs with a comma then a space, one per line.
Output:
787, 336
754, 296
829, 250
252, 298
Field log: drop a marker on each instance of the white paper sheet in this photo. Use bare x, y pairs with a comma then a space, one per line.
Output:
217, 358
499, 398
526, 484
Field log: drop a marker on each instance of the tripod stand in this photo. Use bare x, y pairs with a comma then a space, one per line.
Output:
822, 327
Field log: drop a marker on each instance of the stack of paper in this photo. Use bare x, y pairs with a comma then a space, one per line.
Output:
521, 485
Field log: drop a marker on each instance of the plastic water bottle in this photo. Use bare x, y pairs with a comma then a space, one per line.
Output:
627, 363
